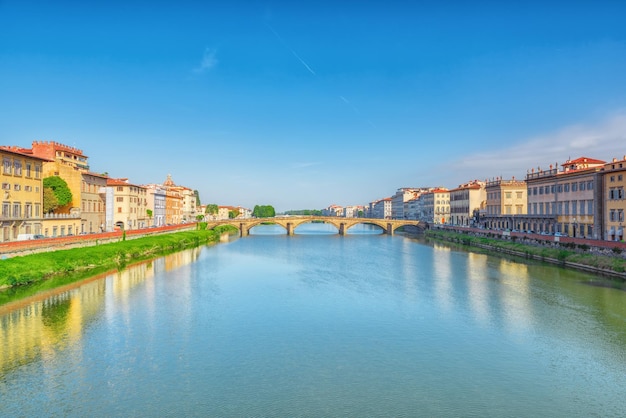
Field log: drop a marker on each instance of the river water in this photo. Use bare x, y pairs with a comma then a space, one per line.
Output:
318, 324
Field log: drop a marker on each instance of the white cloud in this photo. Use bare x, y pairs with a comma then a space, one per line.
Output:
602, 140
208, 61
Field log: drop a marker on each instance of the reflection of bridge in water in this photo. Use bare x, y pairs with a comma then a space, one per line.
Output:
290, 223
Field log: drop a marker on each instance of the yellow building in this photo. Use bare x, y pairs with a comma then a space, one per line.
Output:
86, 212
465, 201
22, 193
565, 201
506, 200
614, 180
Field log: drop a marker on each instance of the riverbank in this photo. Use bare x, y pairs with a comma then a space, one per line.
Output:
23, 270
580, 257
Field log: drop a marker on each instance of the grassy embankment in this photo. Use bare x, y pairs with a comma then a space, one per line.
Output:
82, 262
569, 255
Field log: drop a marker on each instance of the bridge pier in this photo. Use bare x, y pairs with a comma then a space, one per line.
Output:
342, 229
389, 229
289, 227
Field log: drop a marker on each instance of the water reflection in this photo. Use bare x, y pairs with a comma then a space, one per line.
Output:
43, 325
442, 278
320, 325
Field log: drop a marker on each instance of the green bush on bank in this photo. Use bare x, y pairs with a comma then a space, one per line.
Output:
41, 266
563, 253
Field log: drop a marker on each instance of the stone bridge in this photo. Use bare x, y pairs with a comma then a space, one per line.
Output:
291, 222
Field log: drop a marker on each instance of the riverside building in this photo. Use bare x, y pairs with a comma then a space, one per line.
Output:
506, 202
614, 179
22, 194
566, 201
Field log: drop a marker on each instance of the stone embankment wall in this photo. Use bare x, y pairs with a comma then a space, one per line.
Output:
19, 248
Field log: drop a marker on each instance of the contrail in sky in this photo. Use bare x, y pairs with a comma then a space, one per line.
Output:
291, 49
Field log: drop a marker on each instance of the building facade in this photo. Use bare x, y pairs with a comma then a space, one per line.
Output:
88, 188
129, 203
466, 201
567, 201
614, 180
506, 201
22, 194
436, 206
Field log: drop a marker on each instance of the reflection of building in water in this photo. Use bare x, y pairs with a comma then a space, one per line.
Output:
44, 327
515, 294
408, 270
478, 287
443, 276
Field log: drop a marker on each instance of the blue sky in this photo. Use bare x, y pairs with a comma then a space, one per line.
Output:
316, 103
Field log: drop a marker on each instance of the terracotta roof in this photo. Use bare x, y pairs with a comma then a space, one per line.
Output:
583, 160
22, 151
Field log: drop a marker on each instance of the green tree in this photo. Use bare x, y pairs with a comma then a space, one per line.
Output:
212, 209
149, 213
199, 217
60, 189
264, 211
50, 202
232, 214
197, 194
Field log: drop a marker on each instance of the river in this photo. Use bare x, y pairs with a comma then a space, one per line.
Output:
318, 324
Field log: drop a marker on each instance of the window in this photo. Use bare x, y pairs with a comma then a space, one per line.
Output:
507, 195
566, 207
119, 210
590, 207
6, 186
17, 210
582, 185
547, 190
120, 188
6, 209
6, 164
612, 193
17, 187
553, 189
574, 187
119, 199
620, 215
566, 187
17, 167
619, 177
574, 207
541, 190
559, 208
582, 207
519, 195
560, 188
28, 210
37, 171
612, 179
28, 168
534, 191
590, 185
28, 188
